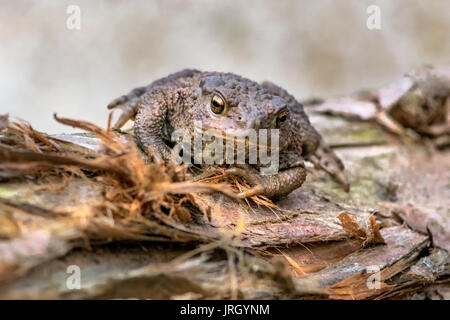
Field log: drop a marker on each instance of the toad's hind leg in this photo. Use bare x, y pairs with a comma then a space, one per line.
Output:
128, 104
272, 186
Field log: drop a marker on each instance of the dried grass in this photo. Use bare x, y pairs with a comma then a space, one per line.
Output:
238, 184
139, 200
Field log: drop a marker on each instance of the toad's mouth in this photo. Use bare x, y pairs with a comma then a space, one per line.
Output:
263, 139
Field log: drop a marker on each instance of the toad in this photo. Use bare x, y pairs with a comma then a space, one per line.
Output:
234, 106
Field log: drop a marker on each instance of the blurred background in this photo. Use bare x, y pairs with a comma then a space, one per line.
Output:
311, 48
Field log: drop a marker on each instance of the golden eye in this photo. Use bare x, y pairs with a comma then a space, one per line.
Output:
217, 104
281, 118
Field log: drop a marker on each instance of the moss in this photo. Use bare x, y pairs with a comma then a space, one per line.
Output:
365, 134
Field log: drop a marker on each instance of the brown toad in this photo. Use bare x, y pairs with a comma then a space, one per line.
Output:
232, 105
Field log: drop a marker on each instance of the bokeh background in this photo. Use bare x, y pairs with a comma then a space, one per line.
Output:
312, 48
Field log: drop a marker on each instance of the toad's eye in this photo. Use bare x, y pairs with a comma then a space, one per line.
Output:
281, 118
217, 104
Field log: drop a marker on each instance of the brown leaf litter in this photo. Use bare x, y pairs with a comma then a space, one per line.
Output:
368, 231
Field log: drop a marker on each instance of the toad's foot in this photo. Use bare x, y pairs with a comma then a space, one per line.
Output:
128, 104
325, 159
271, 186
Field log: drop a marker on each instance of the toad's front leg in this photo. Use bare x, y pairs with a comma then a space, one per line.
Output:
151, 119
325, 159
128, 103
272, 186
